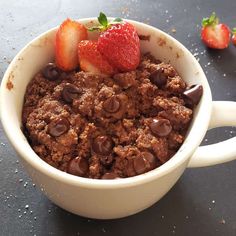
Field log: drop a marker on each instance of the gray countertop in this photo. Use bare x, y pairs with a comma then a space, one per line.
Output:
203, 202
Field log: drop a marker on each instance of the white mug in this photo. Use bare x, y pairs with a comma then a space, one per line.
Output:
109, 199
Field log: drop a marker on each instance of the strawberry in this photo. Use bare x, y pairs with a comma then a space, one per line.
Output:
91, 60
234, 36
69, 34
214, 34
118, 43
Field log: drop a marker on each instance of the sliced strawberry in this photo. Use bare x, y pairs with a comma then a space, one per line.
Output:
69, 34
213, 34
91, 60
234, 36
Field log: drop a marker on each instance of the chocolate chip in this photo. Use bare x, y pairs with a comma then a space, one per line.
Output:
110, 175
58, 127
51, 72
70, 92
102, 145
158, 77
144, 162
193, 95
106, 160
112, 104
150, 158
160, 127
78, 166
140, 164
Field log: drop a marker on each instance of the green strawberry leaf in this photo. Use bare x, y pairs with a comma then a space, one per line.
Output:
102, 19
234, 30
212, 20
205, 21
212, 17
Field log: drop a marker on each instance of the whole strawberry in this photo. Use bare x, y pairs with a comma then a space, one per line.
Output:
214, 34
234, 36
119, 43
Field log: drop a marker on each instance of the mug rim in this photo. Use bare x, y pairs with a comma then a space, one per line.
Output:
37, 163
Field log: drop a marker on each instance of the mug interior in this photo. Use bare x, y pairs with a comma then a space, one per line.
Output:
35, 55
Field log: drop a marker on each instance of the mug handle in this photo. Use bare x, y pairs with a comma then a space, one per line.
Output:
223, 114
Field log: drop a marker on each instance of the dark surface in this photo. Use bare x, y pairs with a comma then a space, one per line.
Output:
203, 202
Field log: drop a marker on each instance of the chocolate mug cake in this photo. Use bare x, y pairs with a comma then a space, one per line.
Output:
108, 127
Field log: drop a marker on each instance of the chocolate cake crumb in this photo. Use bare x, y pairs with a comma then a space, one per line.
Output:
103, 127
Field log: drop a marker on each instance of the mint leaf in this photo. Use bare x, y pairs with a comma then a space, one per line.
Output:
102, 19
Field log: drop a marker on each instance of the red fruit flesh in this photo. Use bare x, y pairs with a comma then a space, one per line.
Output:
69, 34
120, 45
91, 60
216, 36
234, 39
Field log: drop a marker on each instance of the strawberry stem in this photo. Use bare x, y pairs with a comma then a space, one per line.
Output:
212, 20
